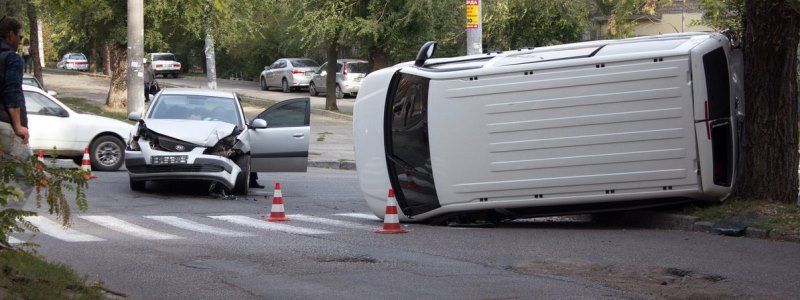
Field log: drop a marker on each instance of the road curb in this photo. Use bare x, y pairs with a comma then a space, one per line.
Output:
316, 111
332, 164
71, 72
671, 221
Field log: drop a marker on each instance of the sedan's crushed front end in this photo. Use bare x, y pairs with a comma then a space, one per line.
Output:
154, 156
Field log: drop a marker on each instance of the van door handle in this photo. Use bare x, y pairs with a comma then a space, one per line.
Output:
298, 135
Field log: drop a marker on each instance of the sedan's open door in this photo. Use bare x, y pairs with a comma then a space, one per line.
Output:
283, 145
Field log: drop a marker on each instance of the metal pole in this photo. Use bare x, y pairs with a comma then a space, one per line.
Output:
474, 27
135, 56
41, 43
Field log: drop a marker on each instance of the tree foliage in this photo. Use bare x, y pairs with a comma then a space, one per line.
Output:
722, 14
513, 24
623, 15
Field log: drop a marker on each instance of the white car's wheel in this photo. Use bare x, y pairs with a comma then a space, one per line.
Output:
264, 86
312, 89
107, 153
339, 94
285, 86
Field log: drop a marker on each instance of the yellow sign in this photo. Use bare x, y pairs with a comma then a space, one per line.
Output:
473, 13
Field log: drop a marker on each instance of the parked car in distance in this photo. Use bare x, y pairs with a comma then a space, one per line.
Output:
165, 64
32, 81
348, 77
62, 132
73, 61
198, 134
289, 74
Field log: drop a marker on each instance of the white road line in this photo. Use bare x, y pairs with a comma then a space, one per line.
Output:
330, 222
58, 231
128, 228
194, 226
261, 224
360, 216
12, 240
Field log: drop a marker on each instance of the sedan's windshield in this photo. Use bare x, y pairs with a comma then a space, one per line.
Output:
194, 107
164, 57
300, 63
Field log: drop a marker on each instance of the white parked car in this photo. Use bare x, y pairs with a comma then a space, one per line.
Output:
574, 128
165, 64
60, 131
198, 134
73, 61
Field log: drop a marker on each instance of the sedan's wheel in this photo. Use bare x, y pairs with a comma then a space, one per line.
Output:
264, 86
339, 94
242, 185
107, 153
137, 185
175, 75
312, 89
285, 86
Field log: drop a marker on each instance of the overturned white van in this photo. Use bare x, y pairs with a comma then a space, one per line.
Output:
572, 128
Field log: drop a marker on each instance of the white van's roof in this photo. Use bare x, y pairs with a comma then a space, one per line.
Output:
659, 45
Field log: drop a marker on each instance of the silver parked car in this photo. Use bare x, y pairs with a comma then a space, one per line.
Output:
73, 61
348, 77
201, 134
288, 73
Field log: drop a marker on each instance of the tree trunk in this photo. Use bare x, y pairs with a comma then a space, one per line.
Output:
106, 58
769, 147
330, 82
118, 92
92, 54
33, 21
211, 67
378, 58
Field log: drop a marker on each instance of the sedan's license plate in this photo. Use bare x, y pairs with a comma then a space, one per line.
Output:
169, 159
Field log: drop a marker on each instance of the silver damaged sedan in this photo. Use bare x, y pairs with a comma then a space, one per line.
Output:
198, 134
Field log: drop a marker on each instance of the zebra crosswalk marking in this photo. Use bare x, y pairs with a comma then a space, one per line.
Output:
194, 226
261, 224
362, 216
129, 228
58, 231
331, 222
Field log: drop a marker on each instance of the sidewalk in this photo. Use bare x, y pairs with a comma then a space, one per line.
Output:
331, 140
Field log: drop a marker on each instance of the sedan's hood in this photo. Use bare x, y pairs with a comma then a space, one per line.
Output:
202, 133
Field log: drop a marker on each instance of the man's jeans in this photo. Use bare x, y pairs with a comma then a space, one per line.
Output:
11, 145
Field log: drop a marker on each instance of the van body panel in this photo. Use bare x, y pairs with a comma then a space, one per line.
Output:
530, 128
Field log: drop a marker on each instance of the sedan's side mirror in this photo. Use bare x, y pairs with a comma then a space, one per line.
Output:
52, 93
135, 116
266, 68
258, 124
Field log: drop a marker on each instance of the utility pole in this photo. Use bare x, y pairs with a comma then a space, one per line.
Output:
474, 27
41, 43
135, 56
211, 65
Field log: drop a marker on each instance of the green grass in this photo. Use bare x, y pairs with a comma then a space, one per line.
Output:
322, 136
776, 216
87, 106
24, 275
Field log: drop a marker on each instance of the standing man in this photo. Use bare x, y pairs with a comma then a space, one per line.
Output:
13, 116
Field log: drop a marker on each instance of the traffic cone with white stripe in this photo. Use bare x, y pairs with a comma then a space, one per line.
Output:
391, 221
277, 214
86, 165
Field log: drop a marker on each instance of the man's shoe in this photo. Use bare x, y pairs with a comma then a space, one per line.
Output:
254, 184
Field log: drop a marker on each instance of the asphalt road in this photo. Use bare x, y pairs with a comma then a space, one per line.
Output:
177, 242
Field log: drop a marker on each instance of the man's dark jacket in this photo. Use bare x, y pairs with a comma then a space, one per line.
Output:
11, 84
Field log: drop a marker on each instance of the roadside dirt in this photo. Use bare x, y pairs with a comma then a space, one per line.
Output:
658, 282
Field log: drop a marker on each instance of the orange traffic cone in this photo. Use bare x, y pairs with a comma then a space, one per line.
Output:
277, 214
86, 165
391, 222
40, 164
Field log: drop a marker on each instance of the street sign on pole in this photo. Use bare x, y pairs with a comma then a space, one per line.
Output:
135, 78
474, 27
